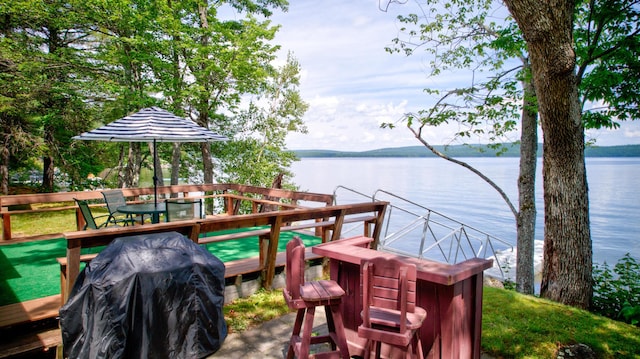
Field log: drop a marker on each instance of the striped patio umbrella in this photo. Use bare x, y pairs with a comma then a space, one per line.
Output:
152, 124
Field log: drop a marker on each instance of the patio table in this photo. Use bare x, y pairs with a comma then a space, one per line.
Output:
145, 208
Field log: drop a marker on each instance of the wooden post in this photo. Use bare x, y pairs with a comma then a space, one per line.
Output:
377, 227
337, 227
6, 225
195, 233
272, 252
230, 206
73, 267
80, 222
264, 249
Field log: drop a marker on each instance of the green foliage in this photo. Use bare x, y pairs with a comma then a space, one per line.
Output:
616, 292
607, 41
257, 155
463, 35
68, 67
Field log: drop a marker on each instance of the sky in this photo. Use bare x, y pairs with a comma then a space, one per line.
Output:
352, 84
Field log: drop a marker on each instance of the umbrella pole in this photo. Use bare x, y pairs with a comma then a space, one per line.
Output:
155, 174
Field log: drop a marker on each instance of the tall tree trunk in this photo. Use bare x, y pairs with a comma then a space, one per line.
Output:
175, 166
547, 28
203, 106
123, 169
207, 162
137, 160
526, 218
47, 174
47, 160
132, 172
175, 163
4, 170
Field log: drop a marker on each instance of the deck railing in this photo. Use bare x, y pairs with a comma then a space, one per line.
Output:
415, 230
231, 197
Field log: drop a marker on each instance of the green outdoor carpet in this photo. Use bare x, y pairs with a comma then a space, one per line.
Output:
30, 270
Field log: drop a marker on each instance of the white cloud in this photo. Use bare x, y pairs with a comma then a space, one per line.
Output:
353, 85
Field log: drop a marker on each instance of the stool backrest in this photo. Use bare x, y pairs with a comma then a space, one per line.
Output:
295, 267
390, 284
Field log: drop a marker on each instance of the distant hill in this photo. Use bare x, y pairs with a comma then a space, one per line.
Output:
510, 150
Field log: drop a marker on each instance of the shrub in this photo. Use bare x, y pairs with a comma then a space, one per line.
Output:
616, 293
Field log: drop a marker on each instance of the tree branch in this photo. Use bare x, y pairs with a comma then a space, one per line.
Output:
470, 168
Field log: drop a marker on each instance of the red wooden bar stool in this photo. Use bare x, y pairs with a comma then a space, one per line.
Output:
389, 311
305, 297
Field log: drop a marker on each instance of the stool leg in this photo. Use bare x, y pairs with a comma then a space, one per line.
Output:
418, 346
367, 349
331, 327
296, 332
378, 349
306, 333
338, 330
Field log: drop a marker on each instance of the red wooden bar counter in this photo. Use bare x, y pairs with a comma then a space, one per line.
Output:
451, 295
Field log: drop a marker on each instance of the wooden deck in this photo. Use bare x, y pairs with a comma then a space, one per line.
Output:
327, 221
48, 307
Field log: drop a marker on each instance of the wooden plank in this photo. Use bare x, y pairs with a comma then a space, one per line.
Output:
30, 342
230, 236
252, 265
30, 311
39, 210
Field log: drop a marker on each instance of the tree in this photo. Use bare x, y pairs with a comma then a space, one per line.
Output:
458, 36
607, 38
606, 41
44, 48
547, 29
100, 62
604, 69
18, 128
257, 156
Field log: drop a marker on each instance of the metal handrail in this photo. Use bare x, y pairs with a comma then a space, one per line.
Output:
441, 237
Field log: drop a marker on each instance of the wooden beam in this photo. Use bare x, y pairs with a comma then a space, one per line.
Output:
272, 251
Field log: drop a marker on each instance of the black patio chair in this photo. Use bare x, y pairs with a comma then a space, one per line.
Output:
89, 219
183, 209
114, 199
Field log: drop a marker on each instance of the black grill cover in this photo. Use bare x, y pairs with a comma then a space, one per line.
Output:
148, 296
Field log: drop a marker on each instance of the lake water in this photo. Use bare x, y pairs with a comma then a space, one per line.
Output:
455, 191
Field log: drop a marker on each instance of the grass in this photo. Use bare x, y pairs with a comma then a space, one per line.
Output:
47, 222
513, 325
246, 313
520, 326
